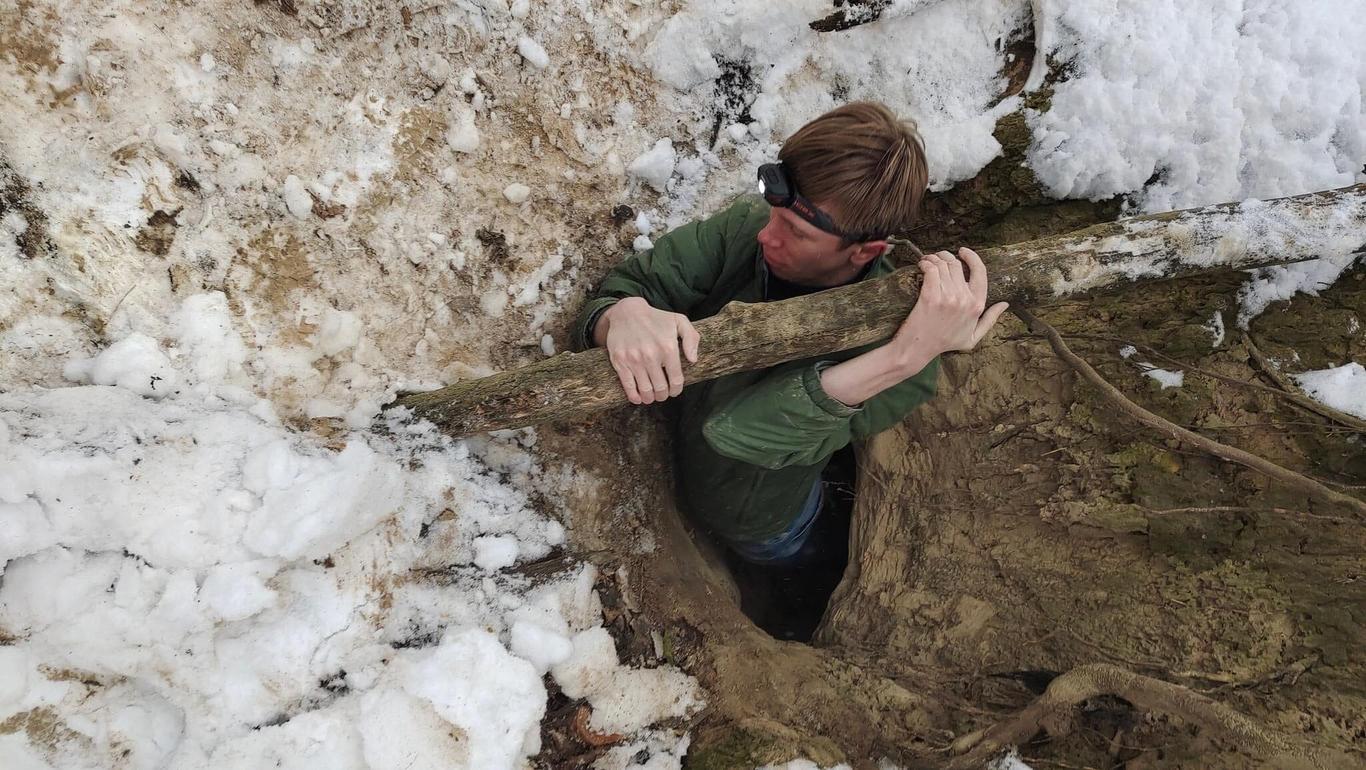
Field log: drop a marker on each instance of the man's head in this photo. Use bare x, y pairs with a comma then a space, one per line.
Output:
865, 169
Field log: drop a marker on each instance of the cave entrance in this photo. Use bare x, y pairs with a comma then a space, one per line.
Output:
788, 602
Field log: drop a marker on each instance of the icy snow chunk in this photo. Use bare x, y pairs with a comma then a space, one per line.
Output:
681, 53
547, 344
312, 505
1342, 387
496, 698
297, 199
1010, 761
642, 223
237, 591
311, 740
532, 51
1127, 351
463, 135
531, 288
540, 646
203, 327
1281, 282
133, 363
1167, 379
1216, 328
516, 192
656, 165
492, 553
624, 700
642, 243
338, 330
400, 731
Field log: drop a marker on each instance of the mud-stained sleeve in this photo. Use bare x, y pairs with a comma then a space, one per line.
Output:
784, 419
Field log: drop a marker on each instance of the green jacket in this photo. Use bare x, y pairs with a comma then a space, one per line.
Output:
749, 445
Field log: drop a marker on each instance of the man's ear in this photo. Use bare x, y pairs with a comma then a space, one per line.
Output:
868, 251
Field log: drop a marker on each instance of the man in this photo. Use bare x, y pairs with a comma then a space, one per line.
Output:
751, 446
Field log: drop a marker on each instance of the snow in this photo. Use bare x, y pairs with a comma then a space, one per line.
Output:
501, 716
1166, 378
1216, 328
202, 517
516, 193
463, 135
1341, 387
495, 552
656, 165
1009, 761
297, 199
533, 52
1222, 101
135, 363
225, 571
623, 700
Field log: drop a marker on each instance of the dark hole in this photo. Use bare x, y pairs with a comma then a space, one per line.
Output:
788, 601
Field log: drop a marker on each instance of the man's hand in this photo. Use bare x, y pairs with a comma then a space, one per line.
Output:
643, 345
951, 313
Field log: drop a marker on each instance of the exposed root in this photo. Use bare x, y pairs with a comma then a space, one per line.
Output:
1054, 711
1293, 394
1286, 476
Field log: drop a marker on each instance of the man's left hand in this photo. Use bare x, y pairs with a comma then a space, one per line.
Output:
951, 313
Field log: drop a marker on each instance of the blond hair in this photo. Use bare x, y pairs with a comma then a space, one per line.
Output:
865, 163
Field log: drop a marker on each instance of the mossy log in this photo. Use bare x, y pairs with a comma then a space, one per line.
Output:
742, 336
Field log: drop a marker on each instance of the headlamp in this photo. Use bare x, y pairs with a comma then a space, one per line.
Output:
776, 186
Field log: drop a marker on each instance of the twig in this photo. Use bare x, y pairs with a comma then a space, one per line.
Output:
1245, 509
1292, 672
1293, 393
1285, 391
1232, 454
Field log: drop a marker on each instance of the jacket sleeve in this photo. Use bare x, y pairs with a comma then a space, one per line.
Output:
675, 275
787, 418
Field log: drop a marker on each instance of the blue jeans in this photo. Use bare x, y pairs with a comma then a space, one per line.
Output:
784, 545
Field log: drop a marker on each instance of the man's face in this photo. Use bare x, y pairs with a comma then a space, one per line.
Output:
798, 251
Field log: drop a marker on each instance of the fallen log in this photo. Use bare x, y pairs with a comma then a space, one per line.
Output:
1177, 244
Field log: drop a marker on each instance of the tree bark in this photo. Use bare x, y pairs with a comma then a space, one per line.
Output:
1231, 236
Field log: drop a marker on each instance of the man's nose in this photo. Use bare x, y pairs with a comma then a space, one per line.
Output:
767, 238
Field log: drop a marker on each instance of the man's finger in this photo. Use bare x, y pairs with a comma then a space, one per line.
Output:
930, 286
988, 320
956, 272
977, 272
628, 383
673, 370
691, 339
946, 285
659, 383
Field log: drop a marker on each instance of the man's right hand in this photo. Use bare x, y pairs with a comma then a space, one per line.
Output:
643, 345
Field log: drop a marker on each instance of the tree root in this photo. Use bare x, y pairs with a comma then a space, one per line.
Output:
1286, 476
1053, 712
1293, 393
1283, 390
